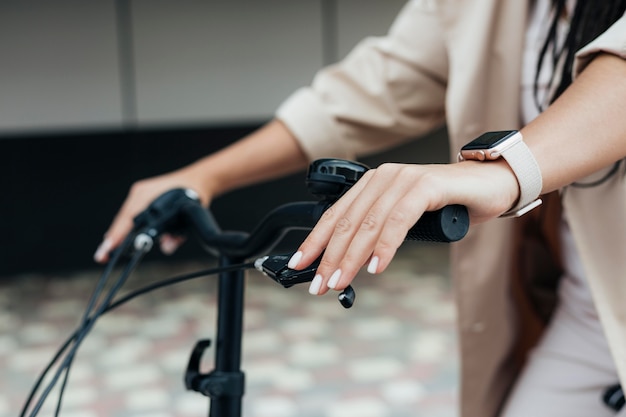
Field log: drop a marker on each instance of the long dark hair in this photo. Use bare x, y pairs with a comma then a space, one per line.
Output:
589, 19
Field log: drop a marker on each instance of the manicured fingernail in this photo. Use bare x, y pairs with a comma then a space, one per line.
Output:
373, 265
295, 260
103, 250
316, 284
168, 246
334, 279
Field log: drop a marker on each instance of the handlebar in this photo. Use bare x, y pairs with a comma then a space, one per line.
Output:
180, 210
177, 210
292, 216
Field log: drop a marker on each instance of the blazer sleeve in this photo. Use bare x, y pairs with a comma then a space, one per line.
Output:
612, 41
387, 90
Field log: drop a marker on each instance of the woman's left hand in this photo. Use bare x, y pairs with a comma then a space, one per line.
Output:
370, 222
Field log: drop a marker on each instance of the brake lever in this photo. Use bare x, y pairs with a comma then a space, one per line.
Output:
275, 267
162, 215
164, 212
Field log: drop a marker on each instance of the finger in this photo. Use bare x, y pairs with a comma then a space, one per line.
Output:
120, 227
335, 225
338, 233
319, 236
388, 191
170, 243
366, 214
112, 239
102, 251
402, 217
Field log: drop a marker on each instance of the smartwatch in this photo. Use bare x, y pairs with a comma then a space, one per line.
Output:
508, 144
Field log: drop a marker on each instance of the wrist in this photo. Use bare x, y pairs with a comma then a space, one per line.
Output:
508, 145
500, 183
510, 184
199, 177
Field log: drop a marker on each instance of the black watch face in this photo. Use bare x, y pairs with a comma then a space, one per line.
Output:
489, 140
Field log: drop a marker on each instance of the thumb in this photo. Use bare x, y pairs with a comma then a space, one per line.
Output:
113, 238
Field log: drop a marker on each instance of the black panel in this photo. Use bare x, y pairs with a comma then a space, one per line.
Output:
60, 192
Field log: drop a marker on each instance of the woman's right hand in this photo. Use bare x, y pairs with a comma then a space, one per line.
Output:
141, 194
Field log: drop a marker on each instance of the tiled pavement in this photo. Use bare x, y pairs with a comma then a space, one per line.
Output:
392, 355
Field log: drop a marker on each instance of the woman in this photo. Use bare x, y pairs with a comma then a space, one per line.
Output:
462, 63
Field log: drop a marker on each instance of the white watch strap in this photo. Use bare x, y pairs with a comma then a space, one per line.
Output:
526, 169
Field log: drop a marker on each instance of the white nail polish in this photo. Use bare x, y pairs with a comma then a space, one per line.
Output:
373, 265
334, 279
102, 250
295, 260
316, 284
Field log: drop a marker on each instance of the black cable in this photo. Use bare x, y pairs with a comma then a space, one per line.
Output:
90, 306
104, 277
90, 320
84, 330
108, 306
66, 376
116, 256
176, 280
45, 372
123, 300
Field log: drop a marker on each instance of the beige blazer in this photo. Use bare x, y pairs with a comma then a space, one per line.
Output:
459, 62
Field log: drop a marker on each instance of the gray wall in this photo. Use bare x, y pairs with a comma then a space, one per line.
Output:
85, 65
96, 94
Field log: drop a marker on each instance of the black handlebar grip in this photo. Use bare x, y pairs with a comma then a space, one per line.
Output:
448, 224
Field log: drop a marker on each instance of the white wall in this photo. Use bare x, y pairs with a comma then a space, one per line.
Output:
191, 61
